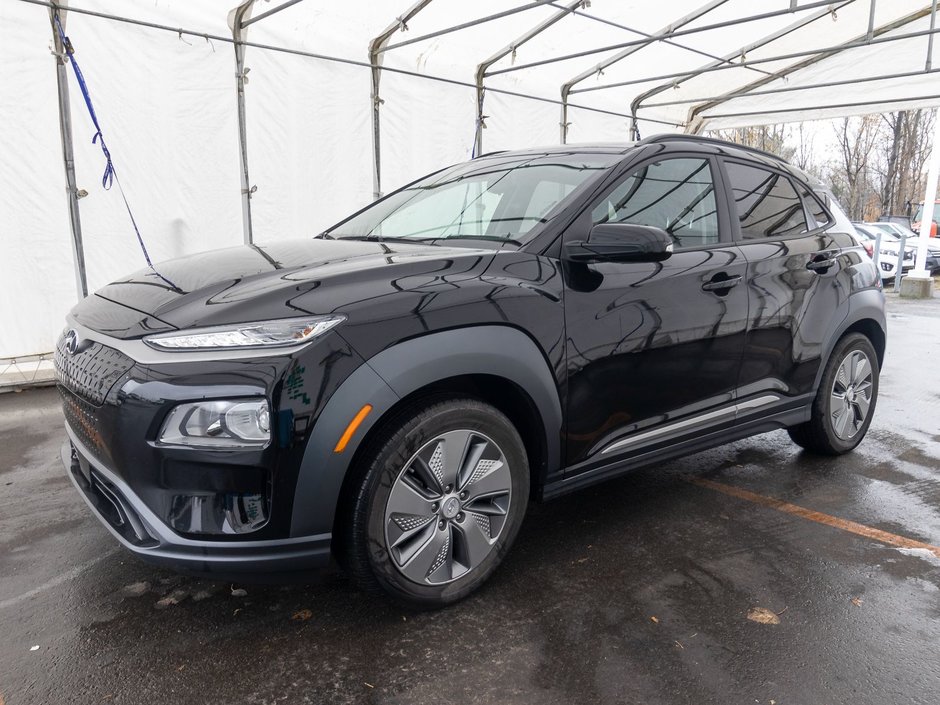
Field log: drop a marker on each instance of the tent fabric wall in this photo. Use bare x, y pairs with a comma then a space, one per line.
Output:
167, 105
35, 252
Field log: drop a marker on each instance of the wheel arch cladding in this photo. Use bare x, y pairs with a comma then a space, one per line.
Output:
866, 316
445, 361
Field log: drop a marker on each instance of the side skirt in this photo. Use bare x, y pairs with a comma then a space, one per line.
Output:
703, 440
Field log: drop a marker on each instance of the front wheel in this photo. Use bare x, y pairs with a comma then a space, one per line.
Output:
845, 401
441, 500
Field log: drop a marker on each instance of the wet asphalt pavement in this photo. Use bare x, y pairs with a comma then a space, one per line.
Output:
636, 591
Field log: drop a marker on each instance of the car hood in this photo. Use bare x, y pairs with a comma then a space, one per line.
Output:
278, 280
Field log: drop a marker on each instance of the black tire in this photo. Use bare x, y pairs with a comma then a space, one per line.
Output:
820, 434
367, 556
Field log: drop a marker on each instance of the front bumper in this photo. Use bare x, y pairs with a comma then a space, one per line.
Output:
138, 529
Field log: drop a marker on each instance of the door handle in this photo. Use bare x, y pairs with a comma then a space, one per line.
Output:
821, 263
716, 284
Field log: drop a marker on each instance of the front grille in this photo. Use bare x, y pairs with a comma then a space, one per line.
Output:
82, 419
91, 372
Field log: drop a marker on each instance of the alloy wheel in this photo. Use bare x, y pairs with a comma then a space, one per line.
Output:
447, 507
851, 395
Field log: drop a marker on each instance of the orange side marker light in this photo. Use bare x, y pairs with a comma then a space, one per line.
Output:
351, 428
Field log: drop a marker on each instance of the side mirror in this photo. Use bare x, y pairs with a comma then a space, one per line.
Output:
621, 242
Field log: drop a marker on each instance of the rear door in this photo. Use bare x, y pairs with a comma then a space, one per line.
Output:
650, 344
797, 281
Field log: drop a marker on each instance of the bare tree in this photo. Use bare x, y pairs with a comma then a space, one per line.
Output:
770, 138
803, 148
877, 165
852, 181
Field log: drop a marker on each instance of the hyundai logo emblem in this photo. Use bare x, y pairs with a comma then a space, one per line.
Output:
71, 342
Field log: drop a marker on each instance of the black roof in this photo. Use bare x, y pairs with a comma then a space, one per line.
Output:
709, 144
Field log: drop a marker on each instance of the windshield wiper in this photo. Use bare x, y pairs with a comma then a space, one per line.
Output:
384, 238
490, 238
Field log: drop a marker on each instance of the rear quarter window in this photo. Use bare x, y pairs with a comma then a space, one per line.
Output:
766, 203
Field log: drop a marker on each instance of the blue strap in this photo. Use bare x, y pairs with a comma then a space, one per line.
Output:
110, 175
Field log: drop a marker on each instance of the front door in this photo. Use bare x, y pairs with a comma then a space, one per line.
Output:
650, 344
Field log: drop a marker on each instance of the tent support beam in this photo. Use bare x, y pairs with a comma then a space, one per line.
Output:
695, 122
811, 86
828, 106
510, 48
724, 66
68, 155
237, 19
645, 35
599, 67
770, 38
933, 24
270, 12
671, 35
714, 66
467, 25
376, 47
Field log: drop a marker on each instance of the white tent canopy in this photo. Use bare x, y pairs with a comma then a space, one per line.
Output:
430, 84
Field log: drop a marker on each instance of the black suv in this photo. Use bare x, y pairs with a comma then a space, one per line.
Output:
395, 390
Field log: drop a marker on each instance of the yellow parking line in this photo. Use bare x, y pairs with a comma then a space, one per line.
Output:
820, 518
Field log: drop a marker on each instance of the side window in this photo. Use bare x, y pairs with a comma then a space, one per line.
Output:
766, 202
677, 195
817, 213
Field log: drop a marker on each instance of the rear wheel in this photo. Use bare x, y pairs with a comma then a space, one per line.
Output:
441, 500
845, 401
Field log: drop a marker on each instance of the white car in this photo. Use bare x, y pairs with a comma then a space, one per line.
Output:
888, 250
895, 231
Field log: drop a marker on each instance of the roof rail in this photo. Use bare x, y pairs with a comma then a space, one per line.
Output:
681, 137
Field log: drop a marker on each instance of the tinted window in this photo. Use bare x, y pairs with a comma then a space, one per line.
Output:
818, 214
677, 195
766, 202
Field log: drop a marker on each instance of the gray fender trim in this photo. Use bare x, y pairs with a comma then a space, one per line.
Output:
867, 304
398, 371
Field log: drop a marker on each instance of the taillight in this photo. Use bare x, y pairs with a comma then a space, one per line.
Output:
869, 248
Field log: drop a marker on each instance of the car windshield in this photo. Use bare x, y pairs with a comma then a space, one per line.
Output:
499, 198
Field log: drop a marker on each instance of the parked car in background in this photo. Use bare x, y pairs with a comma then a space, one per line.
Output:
888, 250
897, 231
904, 220
395, 391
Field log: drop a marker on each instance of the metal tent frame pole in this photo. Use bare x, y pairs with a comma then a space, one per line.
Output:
595, 70
679, 33
725, 65
807, 87
510, 48
376, 47
764, 41
236, 21
68, 155
696, 121
239, 20
467, 25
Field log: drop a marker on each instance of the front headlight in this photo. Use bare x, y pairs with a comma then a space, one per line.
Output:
267, 334
218, 424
